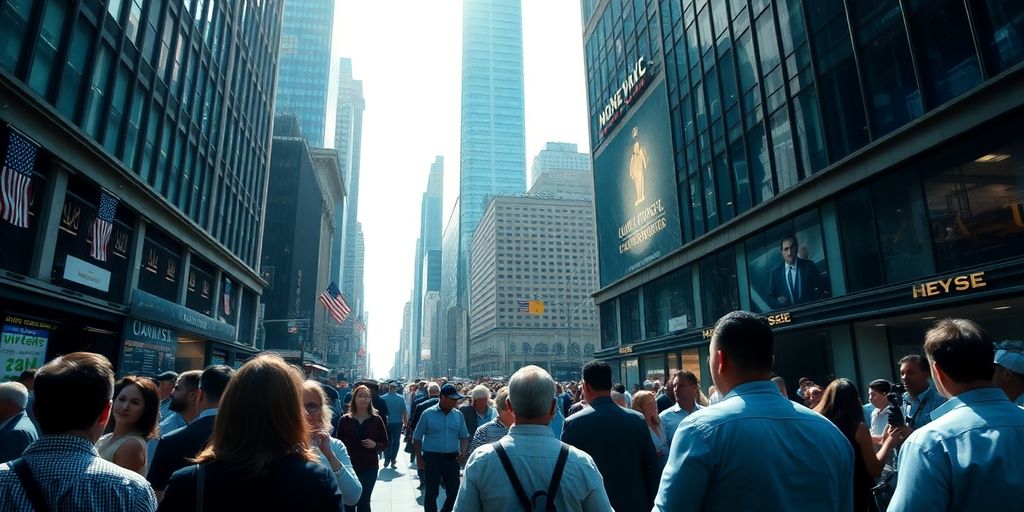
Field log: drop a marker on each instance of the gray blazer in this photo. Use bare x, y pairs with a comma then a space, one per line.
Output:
16, 435
620, 443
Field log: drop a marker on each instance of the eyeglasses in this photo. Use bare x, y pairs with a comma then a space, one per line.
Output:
312, 407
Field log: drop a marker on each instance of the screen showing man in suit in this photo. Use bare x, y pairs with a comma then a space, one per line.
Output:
786, 264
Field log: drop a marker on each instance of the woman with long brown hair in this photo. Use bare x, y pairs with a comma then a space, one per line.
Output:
840, 403
133, 422
259, 456
366, 436
644, 402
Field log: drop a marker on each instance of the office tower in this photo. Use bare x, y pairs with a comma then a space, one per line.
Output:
305, 65
559, 170
135, 139
558, 157
826, 164
427, 266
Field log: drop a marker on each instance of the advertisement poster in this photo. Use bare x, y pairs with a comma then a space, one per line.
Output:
22, 345
635, 191
149, 349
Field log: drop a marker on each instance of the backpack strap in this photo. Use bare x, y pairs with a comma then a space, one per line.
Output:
517, 486
556, 477
30, 485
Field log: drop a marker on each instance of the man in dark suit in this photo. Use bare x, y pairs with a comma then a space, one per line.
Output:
176, 447
16, 429
619, 441
796, 280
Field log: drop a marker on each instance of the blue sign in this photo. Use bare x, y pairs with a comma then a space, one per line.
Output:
147, 306
635, 198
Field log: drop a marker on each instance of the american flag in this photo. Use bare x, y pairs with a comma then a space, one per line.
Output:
524, 306
227, 297
335, 303
360, 326
16, 179
103, 226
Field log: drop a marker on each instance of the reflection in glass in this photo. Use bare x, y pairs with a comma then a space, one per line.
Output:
1000, 26
902, 232
945, 52
629, 316
609, 325
860, 240
975, 209
719, 288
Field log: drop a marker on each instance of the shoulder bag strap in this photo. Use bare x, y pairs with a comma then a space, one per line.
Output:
200, 485
516, 484
556, 477
31, 486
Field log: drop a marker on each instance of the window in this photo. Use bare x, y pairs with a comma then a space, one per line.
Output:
71, 81
902, 232
719, 287
54, 15
786, 264
1000, 25
629, 317
861, 254
668, 303
945, 52
13, 18
95, 103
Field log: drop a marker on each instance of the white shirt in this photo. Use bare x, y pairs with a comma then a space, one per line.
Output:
879, 419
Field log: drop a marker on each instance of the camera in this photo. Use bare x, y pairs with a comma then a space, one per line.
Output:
895, 408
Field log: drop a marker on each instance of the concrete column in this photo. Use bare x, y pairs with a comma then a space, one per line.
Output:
135, 257
49, 224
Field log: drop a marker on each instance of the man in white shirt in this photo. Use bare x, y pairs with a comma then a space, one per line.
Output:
685, 386
532, 454
878, 392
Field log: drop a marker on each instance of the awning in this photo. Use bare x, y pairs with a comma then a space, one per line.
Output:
317, 367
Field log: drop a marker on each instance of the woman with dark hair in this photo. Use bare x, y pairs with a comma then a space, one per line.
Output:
840, 403
366, 436
259, 456
133, 421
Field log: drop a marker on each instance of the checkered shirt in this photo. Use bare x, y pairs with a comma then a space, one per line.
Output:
486, 434
74, 478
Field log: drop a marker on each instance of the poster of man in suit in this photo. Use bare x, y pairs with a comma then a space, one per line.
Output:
795, 280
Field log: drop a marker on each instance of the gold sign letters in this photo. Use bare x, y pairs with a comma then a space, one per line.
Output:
947, 285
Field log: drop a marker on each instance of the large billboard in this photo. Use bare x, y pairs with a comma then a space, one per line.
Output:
635, 191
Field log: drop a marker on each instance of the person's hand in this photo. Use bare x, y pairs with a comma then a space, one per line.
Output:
369, 443
322, 440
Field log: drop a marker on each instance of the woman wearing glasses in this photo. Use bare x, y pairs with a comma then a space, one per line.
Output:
332, 452
365, 435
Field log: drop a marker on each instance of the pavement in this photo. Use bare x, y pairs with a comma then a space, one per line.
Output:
396, 491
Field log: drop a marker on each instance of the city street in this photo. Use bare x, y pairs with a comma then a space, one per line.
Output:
396, 489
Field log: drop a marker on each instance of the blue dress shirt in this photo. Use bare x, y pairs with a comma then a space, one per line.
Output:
672, 417
757, 450
396, 406
970, 457
439, 432
921, 408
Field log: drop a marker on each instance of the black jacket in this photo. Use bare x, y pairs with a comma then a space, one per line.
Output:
287, 483
424, 405
174, 448
620, 443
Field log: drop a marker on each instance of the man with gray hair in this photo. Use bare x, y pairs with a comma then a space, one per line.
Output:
479, 410
16, 429
541, 469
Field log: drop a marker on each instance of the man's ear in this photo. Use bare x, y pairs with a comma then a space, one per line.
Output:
105, 415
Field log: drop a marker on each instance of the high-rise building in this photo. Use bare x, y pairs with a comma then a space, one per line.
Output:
849, 170
533, 270
136, 139
427, 265
558, 157
305, 65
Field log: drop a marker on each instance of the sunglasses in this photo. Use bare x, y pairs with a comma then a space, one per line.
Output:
312, 407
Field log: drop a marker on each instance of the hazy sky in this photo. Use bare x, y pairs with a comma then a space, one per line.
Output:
408, 55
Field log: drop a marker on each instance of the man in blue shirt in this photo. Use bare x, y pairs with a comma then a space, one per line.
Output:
398, 417
441, 440
755, 449
1010, 370
684, 388
971, 455
921, 397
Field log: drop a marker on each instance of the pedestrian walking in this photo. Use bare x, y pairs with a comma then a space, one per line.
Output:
686, 389
479, 410
133, 422
969, 456
497, 428
332, 451
16, 428
62, 469
259, 456
755, 449
165, 386
397, 421
441, 441
366, 436
530, 469
617, 439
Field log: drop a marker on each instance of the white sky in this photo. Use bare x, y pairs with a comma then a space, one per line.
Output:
408, 55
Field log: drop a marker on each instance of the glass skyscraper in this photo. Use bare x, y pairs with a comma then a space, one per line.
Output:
493, 148
306, 65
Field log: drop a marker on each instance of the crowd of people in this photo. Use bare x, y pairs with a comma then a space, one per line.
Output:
948, 436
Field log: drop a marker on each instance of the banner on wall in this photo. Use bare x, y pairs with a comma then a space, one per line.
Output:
635, 191
22, 345
148, 349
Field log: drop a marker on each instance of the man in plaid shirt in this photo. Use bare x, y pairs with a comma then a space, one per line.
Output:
62, 470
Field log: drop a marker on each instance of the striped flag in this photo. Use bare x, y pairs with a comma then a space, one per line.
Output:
335, 303
227, 297
360, 326
16, 179
103, 226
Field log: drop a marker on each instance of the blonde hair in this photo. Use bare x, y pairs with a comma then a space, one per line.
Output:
326, 414
640, 399
260, 418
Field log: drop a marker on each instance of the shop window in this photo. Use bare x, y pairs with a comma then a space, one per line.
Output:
902, 230
861, 254
1000, 26
668, 303
719, 287
161, 265
17, 152
654, 369
976, 210
198, 296
805, 353
787, 265
629, 317
84, 261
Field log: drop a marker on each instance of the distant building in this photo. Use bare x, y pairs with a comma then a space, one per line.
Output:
305, 65
558, 157
533, 249
559, 171
427, 263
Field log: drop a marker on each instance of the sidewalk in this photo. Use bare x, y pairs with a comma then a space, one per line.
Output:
396, 489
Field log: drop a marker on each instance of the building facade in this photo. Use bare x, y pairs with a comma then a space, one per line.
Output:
558, 157
136, 139
850, 170
533, 270
427, 263
305, 60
